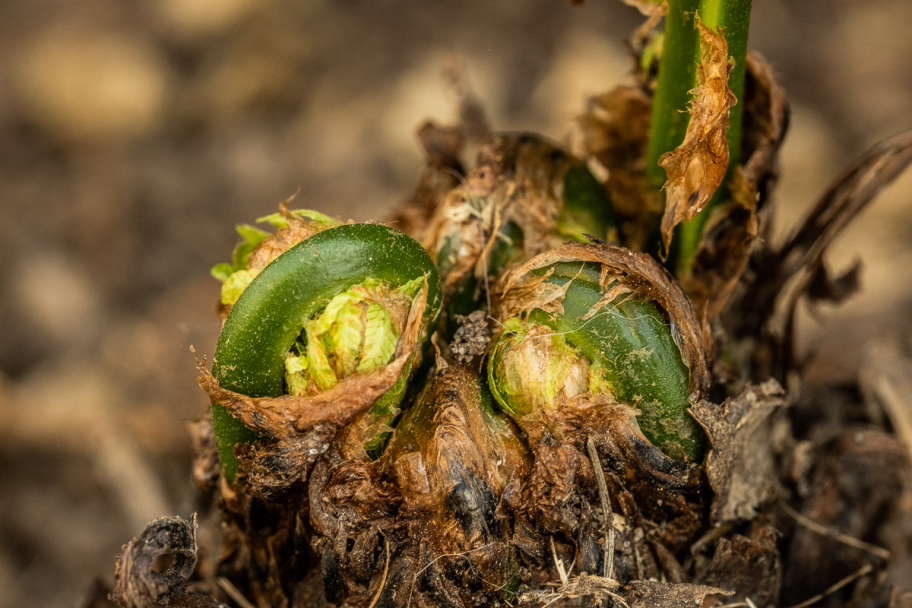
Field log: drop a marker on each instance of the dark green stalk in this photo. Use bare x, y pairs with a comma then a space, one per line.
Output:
677, 72
677, 76
733, 16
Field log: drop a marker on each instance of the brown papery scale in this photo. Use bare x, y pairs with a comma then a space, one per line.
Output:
430, 515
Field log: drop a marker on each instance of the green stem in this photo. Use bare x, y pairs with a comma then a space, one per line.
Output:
677, 72
677, 76
733, 16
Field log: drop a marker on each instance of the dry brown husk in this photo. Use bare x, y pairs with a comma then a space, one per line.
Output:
426, 520
137, 583
615, 129
741, 467
733, 230
518, 178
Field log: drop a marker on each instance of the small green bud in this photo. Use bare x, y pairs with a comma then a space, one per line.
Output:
262, 354
534, 369
353, 333
380, 337
297, 376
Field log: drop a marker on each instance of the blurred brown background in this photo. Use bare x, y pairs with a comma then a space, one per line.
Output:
134, 135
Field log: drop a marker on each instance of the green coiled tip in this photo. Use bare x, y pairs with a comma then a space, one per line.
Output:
585, 348
268, 318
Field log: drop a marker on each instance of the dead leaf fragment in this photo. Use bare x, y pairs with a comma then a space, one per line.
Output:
695, 169
846, 198
740, 465
137, 584
652, 594
615, 129
748, 565
803, 253
733, 230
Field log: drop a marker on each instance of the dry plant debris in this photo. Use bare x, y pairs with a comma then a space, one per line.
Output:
741, 465
696, 168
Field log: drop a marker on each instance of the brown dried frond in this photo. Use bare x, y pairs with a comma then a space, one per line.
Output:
615, 129
696, 168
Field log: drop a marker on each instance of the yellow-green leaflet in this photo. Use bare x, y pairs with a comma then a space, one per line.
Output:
380, 337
